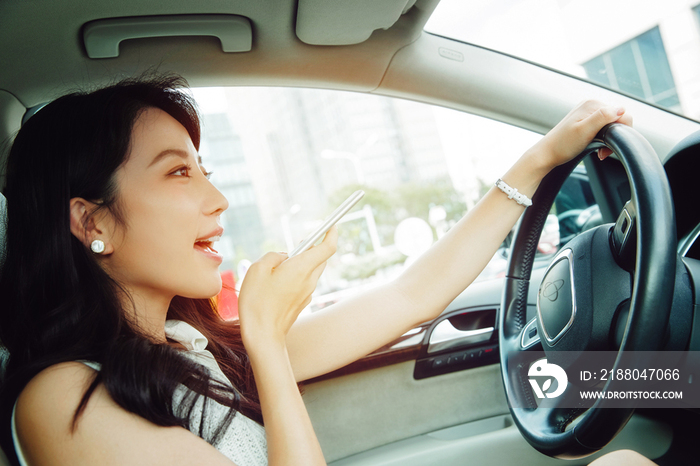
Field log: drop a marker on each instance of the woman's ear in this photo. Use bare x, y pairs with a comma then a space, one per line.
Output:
85, 227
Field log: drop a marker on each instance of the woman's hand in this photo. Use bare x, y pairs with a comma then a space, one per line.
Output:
277, 288
573, 133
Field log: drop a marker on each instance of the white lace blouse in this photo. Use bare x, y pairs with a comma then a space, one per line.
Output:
244, 441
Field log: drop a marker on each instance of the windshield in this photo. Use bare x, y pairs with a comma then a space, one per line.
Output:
646, 49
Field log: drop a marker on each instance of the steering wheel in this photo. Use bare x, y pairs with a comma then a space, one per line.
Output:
580, 298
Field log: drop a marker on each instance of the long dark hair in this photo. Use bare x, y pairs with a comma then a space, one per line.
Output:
59, 305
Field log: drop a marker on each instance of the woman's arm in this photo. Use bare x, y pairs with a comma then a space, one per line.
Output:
324, 341
273, 293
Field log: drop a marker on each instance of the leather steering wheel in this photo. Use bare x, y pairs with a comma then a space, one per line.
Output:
590, 284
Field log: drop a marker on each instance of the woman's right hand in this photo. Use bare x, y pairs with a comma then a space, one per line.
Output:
274, 292
277, 288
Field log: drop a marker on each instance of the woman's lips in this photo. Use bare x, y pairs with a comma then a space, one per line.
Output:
207, 250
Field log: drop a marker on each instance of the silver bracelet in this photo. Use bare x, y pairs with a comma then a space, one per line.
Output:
513, 193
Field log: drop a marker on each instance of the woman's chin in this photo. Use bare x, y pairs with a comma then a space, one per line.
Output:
205, 291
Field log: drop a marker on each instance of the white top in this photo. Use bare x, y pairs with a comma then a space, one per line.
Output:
244, 441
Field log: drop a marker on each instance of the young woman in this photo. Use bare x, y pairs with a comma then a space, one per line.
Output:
117, 355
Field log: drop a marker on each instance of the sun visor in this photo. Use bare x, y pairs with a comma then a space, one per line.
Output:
344, 22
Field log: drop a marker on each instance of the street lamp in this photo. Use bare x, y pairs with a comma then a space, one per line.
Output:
353, 157
286, 227
334, 154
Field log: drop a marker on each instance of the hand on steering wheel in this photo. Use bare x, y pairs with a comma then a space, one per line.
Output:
583, 266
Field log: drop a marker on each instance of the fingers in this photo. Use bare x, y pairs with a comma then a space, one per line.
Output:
625, 119
606, 115
322, 252
602, 115
277, 288
603, 153
313, 257
271, 260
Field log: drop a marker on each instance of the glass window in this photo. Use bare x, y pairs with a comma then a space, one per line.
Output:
639, 67
285, 158
608, 42
573, 212
575, 206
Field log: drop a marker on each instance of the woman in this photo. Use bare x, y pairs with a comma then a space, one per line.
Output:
109, 270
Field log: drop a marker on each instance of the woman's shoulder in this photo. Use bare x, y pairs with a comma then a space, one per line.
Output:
46, 406
51, 397
59, 387
44, 421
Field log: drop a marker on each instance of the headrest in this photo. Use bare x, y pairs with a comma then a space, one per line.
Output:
3, 227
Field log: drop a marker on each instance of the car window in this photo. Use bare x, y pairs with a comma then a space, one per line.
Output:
573, 212
575, 208
639, 49
285, 158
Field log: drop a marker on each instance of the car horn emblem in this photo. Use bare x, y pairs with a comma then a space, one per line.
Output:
556, 298
551, 289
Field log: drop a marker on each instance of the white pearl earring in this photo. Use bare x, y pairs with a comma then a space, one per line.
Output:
97, 246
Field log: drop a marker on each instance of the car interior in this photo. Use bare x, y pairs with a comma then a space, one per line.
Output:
444, 393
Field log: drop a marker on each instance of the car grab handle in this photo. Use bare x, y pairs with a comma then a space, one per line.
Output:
103, 36
446, 336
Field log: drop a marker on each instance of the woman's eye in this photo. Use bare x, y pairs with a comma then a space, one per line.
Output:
207, 173
182, 171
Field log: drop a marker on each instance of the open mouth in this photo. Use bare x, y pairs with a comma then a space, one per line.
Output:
206, 246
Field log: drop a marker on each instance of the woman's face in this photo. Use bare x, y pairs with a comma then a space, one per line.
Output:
171, 210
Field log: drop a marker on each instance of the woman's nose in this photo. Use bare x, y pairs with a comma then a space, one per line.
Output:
216, 203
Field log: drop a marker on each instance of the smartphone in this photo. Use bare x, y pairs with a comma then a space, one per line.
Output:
331, 220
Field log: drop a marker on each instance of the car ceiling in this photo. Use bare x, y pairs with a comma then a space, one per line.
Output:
49, 57
296, 43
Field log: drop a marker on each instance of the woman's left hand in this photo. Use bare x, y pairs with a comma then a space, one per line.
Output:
576, 130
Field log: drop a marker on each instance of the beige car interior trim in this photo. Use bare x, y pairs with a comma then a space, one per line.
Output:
339, 22
369, 409
11, 113
496, 441
277, 56
386, 417
495, 85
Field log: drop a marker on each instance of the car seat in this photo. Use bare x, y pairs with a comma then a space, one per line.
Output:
3, 352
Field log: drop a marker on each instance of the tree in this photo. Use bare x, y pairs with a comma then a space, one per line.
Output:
390, 207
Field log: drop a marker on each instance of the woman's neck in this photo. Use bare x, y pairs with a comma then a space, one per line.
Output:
148, 312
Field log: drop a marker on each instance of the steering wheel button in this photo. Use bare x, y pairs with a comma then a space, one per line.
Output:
555, 299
